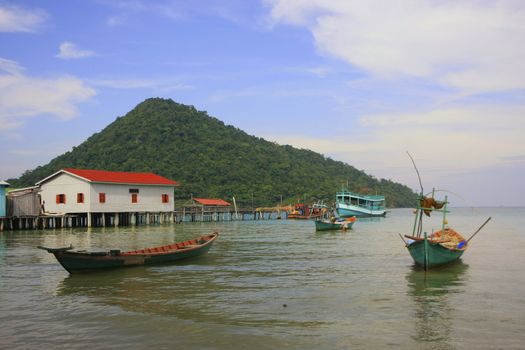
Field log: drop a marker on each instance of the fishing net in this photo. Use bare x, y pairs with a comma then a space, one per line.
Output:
452, 239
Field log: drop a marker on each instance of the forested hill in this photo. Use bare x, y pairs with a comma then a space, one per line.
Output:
211, 159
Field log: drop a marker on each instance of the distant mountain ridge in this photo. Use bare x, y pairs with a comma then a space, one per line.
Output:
211, 159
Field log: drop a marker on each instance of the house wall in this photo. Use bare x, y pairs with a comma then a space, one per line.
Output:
118, 197
70, 186
25, 203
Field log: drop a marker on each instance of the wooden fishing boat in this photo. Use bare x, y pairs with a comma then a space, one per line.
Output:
437, 249
84, 261
304, 212
329, 225
441, 247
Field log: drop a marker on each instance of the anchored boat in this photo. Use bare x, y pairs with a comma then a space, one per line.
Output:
83, 261
354, 204
303, 211
441, 247
329, 225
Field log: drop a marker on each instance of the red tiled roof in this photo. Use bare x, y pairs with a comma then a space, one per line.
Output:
209, 201
121, 177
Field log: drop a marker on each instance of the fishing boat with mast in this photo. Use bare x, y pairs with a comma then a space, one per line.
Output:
439, 248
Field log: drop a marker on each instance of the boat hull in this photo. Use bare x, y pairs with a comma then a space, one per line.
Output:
352, 210
82, 262
330, 226
437, 254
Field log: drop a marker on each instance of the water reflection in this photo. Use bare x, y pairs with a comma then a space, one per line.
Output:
158, 290
370, 219
432, 292
2, 254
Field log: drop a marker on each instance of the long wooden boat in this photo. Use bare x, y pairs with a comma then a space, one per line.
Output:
350, 204
329, 225
84, 261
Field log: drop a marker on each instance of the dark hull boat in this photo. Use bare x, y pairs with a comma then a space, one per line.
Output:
83, 261
328, 225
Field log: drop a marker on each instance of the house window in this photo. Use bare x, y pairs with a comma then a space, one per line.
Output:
102, 197
134, 198
80, 197
61, 199
165, 198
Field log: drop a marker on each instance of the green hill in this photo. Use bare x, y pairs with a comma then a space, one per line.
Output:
211, 159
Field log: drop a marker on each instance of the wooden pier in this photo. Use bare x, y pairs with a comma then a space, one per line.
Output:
179, 215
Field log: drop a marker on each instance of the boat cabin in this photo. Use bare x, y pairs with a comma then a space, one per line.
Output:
365, 201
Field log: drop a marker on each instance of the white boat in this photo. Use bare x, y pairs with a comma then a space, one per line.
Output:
354, 204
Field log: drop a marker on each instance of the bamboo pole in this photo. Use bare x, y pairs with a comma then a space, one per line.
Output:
479, 229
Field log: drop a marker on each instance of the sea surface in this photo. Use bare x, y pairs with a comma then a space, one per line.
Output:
272, 284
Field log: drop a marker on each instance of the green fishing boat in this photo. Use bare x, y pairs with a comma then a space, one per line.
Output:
329, 225
433, 251
441, 247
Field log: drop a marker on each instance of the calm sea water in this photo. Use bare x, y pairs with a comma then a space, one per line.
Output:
271, 285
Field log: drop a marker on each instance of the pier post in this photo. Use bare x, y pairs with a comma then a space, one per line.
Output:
89, 219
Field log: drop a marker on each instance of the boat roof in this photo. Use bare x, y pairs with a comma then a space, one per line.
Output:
211, 201
345, 192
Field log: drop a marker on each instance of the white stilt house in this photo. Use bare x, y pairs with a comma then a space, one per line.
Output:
80, 191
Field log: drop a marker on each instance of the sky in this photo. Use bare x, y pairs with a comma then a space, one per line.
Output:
361, 82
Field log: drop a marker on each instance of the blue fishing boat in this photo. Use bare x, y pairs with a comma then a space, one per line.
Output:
350, 204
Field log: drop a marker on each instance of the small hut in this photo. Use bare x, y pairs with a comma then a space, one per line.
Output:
211, 204
206, 209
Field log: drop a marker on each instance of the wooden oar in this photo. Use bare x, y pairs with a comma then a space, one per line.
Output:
479, 229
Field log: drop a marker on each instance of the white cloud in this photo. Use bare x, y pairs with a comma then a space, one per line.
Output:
22, 97
320, 72
69, 50
444, 142
475, 46
117, 20
161, 84
11, 67
20, 19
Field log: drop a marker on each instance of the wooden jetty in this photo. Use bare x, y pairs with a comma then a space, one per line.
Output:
179, 215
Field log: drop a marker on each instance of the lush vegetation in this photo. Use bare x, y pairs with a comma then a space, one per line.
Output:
211, 159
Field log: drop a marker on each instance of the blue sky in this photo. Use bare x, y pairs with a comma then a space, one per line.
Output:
359, 81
